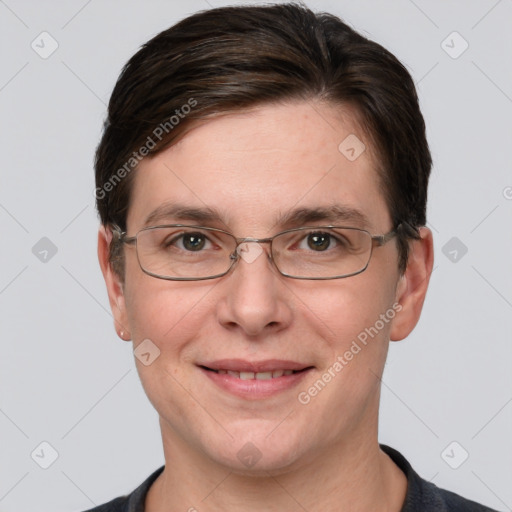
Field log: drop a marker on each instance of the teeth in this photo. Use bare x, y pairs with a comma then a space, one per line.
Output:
264, 375
256, 375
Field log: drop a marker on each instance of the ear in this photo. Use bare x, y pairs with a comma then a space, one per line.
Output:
412, 285
114, 284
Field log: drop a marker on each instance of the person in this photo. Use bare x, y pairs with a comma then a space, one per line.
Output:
261, 183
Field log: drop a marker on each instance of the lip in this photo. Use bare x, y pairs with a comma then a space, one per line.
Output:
255, 389
240, 365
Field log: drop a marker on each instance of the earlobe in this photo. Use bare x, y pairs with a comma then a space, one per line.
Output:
413, 284
113, 283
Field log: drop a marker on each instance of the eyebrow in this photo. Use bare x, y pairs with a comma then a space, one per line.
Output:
333, 214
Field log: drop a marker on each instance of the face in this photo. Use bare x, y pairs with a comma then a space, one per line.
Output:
253, 169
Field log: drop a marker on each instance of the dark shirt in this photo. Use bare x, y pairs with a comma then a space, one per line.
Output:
422, 496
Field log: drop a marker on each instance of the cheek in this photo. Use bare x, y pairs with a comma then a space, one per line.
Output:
160, 310
352, 329
171, 315
342, 310
351, 323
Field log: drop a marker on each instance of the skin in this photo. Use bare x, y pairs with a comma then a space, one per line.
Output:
320, 456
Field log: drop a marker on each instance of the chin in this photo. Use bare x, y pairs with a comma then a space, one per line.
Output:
260, 454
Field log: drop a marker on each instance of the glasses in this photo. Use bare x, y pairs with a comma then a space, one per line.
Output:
180, 252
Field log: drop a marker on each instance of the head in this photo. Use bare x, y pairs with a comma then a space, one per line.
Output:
244, 111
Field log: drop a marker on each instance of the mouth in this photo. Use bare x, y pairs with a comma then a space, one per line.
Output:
255, 380
245, 375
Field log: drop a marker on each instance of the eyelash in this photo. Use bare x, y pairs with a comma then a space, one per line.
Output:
303, 238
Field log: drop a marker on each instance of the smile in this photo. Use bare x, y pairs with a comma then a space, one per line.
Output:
256, 375
254, 380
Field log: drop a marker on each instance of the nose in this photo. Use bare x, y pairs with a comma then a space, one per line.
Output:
254, 298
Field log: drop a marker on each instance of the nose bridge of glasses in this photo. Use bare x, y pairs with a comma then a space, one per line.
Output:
250, 239
247, 252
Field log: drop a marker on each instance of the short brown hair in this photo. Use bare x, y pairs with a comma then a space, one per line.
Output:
233, 58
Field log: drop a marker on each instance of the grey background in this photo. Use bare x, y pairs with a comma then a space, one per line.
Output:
65, 377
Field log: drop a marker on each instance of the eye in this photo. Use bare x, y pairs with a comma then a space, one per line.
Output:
319, 241
193, 241
190, 241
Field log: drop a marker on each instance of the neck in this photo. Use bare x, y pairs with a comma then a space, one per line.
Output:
356, 476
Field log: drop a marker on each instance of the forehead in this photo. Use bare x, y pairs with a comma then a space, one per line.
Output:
253, 168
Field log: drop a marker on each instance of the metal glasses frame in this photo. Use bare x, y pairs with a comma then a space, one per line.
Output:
377, 240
